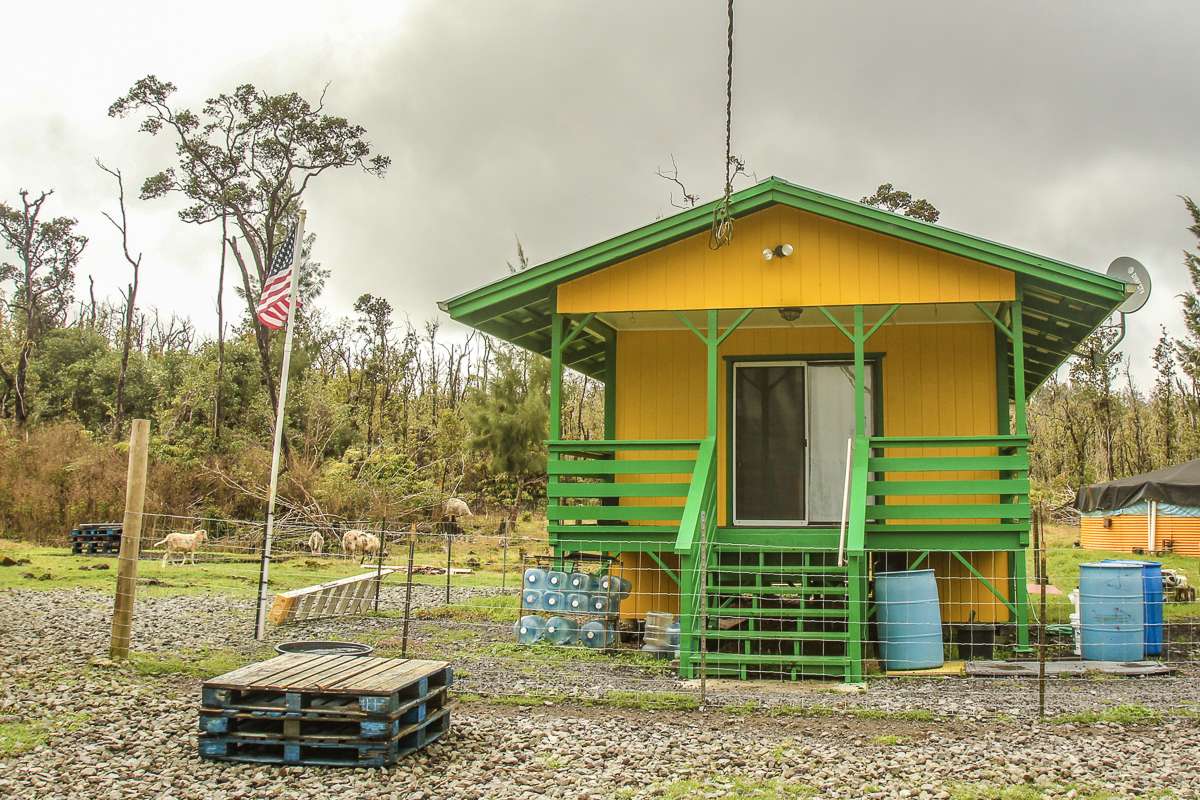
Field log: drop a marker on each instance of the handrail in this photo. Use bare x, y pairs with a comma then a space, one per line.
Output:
571, 445
856, 531
703, 479
841, 558
1004, 440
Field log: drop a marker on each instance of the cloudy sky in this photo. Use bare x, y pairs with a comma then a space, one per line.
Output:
1068, 129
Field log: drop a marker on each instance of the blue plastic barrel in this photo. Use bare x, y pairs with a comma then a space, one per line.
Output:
556, 580
1112, 611
910, 619
1152, 594
579, 582
594, 634
561, 630
579, 602
531, 599
535, 579
554, 601
529, 629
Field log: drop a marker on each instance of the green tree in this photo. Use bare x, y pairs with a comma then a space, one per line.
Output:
42, 284
892, 199
508, 422
247, 155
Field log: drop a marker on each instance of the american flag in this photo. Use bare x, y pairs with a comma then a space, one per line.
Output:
273, 304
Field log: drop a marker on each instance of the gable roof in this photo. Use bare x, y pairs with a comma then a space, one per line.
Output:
1063, 302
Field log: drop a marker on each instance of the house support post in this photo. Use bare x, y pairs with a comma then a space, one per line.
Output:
555, 421
1021, 598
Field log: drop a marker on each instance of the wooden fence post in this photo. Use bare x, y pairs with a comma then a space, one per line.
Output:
131, 540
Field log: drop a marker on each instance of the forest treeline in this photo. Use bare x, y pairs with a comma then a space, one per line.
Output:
386, 417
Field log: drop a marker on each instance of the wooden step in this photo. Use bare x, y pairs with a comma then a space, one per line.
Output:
788, 569
780, 613
792, 636
778, 590
751, 658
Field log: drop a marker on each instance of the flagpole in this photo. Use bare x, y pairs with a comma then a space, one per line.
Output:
260, 619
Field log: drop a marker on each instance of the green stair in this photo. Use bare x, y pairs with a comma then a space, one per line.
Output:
775, 612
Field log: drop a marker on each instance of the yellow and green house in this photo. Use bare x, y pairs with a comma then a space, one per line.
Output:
777, 430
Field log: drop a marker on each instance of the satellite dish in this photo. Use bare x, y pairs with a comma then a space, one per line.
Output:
1131, 271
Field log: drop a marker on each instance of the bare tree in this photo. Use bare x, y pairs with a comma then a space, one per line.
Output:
129, 293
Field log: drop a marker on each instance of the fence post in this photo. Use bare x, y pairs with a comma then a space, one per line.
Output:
131, 539
379, 561
412, 546
1042, 586
504, 557
449, 527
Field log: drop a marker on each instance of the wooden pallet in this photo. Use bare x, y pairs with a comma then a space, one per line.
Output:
96, 537
344, 596
331, 753
326, 710
331, 685
325, 722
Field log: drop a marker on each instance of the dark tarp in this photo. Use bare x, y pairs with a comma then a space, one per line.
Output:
1178, 485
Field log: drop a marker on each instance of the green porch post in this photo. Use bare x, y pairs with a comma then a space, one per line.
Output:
712, 342
1020, 575
555, 421
860, 375
610, 386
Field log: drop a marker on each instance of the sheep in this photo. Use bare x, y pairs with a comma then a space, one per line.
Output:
184, 543
350, 542
368, 544
316, 543
455, 508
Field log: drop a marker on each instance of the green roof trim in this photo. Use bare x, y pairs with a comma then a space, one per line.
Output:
519, 305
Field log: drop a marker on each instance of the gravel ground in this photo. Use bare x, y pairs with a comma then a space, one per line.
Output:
138, 736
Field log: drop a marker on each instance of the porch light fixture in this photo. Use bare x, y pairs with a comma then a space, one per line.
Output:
791, 313
778, 251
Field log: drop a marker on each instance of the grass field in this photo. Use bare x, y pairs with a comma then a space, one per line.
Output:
236, 573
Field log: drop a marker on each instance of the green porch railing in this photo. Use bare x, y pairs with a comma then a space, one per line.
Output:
631, 491
971, 493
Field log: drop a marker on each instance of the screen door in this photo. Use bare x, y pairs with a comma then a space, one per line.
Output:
769, 443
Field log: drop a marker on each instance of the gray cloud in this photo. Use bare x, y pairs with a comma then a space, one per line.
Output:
1062, 128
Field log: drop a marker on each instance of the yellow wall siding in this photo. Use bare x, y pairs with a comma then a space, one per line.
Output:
937, 380
1129, 531
959, 593
834, 264
653, 589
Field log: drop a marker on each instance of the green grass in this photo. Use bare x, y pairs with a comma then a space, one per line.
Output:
191, 663
23, 736
501, 609
991, 791
1129, 714
890, 740
1062, 567
737, 788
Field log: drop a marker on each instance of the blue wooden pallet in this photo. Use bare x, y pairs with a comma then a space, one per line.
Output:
317, 752
327, 685
293, 724
96, 537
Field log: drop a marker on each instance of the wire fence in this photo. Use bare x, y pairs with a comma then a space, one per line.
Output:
516, 619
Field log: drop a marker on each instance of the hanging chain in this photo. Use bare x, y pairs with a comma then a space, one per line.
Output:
722, 227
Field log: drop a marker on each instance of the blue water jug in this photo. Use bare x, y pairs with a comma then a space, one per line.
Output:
531, 599
561, 630
579, 602
529, 629
535, 578
594, 634
554, 601
556, 580
579, 582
